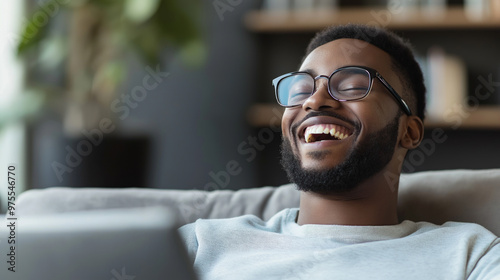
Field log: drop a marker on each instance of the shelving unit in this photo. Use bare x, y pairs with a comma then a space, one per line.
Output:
486, 117
301, 21
289, 22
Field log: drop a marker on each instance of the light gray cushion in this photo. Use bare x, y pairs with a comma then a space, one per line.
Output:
434, 196
189, 205
455, 195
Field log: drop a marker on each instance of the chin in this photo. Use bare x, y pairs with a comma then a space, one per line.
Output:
321, 160
315, 165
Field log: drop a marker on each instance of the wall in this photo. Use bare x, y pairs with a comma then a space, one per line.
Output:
196, 117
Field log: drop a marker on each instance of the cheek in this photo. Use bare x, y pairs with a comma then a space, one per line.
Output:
373, 114
286, 122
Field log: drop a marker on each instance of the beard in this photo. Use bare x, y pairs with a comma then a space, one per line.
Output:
364, 160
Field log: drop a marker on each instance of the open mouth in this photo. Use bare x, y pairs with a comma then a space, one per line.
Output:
322, 132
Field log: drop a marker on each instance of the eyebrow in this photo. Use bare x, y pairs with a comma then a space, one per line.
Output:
310, 71
315, 74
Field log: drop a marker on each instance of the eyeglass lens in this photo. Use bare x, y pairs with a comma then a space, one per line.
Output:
345, 84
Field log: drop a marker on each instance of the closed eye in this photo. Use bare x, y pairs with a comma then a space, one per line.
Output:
353, 88
298, 96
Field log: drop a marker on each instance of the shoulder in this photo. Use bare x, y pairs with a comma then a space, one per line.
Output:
458, 228
241, 223
469, 237
455, 229
213, 234
476, 235
230, 231
482, 247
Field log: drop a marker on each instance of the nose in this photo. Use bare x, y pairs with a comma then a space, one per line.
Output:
320, 99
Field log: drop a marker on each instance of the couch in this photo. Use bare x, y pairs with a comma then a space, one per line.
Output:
433, 196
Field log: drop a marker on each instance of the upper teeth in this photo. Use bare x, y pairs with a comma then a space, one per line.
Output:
331, 129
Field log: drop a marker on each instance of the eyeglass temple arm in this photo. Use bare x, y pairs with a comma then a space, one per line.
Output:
396, 96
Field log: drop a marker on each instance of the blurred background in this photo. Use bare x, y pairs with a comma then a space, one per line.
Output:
177, 94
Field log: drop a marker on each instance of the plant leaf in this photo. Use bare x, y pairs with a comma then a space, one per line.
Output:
140, 10
194, 53
35, 28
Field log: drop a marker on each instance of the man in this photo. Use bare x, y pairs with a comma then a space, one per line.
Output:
354, 109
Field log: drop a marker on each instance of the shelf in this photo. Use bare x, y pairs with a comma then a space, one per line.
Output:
485, 117
311, 21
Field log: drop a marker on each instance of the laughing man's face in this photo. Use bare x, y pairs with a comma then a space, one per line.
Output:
369, 126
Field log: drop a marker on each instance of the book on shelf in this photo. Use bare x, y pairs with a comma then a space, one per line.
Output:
498, 87
299, 5
446, 81
475, 10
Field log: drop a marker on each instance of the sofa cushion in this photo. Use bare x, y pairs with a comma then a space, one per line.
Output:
433, 196
188, 205
453, 195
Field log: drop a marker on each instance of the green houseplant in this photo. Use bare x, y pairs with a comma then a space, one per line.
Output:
91, 42
91, 39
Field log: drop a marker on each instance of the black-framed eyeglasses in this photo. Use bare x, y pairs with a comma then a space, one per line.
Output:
347, 83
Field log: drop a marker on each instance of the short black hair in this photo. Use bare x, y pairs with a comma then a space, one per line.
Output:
398, 49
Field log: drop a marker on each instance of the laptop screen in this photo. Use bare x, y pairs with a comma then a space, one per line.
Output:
118, 244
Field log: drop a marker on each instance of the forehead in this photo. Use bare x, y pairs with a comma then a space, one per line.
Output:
342, 52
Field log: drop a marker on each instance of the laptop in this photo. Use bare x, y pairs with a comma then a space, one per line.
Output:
118, 244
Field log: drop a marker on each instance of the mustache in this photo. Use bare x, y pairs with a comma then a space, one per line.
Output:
356, 125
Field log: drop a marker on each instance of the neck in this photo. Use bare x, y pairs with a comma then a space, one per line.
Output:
373, 202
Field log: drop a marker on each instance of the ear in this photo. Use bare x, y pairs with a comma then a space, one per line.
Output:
414, 133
